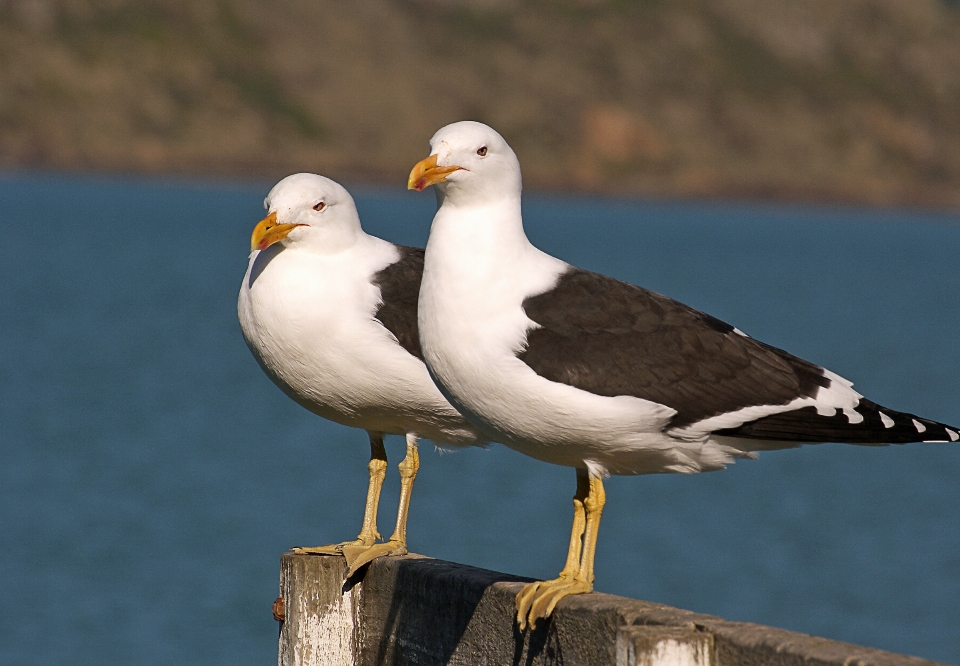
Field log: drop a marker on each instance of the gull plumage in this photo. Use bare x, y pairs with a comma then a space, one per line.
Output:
578, 369
329, 313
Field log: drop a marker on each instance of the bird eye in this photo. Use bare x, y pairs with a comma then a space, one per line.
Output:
482, 151
319, 206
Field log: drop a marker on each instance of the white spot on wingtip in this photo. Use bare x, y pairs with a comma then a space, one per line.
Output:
953, 436
834, 377
853, 416
887, 421
739, 332
919, 426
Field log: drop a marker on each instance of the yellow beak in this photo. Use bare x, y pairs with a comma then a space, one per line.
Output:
267, 232
427, 173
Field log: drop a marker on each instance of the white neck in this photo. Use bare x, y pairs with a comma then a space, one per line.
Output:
479, 267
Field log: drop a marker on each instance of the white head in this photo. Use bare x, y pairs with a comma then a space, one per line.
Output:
469, 162
310, 211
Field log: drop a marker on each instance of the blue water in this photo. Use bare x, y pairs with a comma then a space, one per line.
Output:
150, 475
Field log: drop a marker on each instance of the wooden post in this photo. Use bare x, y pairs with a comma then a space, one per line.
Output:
319, 614
417, 611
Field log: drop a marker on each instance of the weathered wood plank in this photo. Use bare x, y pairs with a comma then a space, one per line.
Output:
416, 610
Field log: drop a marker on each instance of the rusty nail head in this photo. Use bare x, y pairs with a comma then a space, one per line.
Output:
279, 611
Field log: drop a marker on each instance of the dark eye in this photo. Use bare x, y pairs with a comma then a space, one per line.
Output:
482, 151
319, 206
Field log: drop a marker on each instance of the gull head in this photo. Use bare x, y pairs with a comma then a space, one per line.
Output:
468, 162
310, 211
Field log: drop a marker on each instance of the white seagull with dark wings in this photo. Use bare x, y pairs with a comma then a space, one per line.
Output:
583, 370
330, 313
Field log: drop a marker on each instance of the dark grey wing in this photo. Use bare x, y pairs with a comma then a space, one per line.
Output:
613, 338
399, 291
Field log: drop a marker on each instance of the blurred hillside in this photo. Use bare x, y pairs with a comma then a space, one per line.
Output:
793, 99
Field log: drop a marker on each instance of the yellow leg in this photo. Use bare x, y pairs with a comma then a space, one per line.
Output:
368, 533
537, 600
409, 467
397, 544
529, 593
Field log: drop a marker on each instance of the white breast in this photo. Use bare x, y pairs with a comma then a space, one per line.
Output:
309, 320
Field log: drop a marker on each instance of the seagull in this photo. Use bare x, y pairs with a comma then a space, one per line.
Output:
330, 314
582, 370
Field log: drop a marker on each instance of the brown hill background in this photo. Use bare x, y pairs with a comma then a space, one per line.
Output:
852, 100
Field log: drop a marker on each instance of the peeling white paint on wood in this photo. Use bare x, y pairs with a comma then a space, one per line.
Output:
325, 632
648, 646
672, 652
320, 626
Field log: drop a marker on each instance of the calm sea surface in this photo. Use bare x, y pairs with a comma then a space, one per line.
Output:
150, 475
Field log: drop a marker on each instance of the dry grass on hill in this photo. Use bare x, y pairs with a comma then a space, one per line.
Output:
808, 99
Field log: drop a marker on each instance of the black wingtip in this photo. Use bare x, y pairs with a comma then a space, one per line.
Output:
879, 426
